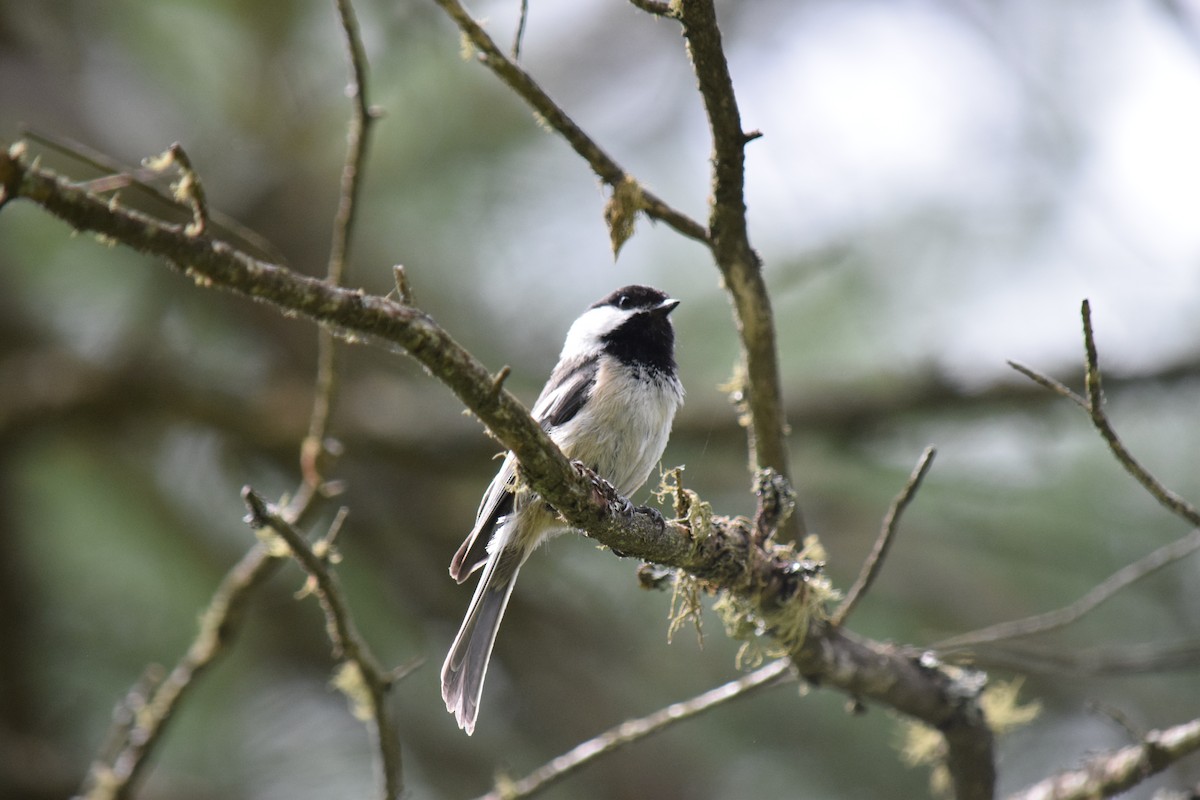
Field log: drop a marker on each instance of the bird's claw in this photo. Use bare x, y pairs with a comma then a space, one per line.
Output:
656, 515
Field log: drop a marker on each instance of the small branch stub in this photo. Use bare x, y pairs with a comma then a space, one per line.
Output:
187, 189
403, 288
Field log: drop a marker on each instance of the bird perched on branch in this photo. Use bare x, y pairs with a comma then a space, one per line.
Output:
609, 404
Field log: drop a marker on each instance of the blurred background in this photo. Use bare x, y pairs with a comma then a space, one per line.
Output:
938, 186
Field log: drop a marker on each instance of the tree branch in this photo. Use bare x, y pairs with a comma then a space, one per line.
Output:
740, 266
134, 736
1093, 404
608, 170
1173, 502
359, 676
315, 448
769, 579
726, 234
632, 730
1125, 658
1112, 773
891, 520
1061, 617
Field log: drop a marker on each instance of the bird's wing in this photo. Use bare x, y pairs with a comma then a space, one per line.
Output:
558, 403
497, 503
566, 392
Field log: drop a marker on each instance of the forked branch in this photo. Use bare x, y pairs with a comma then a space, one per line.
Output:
720, 551
520, 81
359, 676
633, 730
1093, 405
1111, 774
726, 233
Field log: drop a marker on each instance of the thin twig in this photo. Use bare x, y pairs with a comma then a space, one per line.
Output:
314, 447
1058, 618
1123, 659
632, 730
519, 37
1110, 774
367, 683
188, 189
119, 176
115, 776
132, 739
356, 144
655, 7
1093, 404
870, 568
552, 114
1046, 381
1173, 502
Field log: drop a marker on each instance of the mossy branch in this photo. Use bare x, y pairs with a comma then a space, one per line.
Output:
728, 555
726, 234
1114, 773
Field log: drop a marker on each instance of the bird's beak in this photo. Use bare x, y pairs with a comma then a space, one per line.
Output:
666, 306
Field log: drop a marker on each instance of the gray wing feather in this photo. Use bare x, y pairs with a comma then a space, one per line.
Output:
566, 392
496, 504
559, 402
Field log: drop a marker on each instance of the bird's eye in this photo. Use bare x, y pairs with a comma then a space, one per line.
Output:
623, 302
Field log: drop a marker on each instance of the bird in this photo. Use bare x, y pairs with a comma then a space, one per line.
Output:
609, 404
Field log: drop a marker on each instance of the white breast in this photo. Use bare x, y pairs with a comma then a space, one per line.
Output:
622, 430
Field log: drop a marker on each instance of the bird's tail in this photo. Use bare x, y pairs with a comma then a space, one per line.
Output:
467, 663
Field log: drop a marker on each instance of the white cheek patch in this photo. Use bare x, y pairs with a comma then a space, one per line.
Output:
584, 335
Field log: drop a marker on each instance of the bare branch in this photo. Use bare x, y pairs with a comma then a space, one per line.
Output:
356, 144
119, 175
632, 730
115, 775
1173, 502
1113, 773
1046, 381
739, 264
1106, 589
360, 677
1125, 658
870, 568
519, 37
315, 446
1127, 575
838, 657
772, 581
601, 163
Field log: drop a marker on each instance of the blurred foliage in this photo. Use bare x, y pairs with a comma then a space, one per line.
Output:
938, 186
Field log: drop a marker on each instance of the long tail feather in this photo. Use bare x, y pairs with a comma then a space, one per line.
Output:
466, 665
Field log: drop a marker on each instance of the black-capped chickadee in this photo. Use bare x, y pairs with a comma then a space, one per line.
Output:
609, 404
